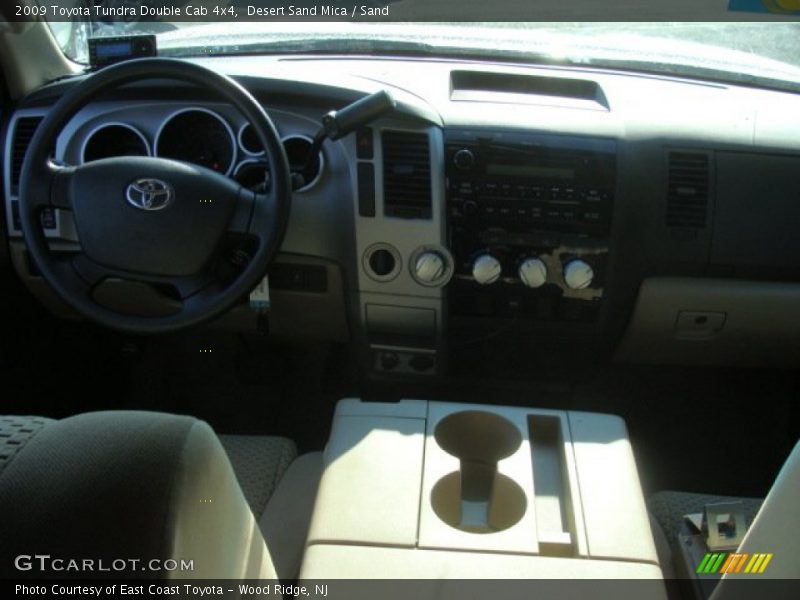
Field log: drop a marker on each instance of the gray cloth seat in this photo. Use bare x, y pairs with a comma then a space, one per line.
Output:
137, 484
259, 462
668, 508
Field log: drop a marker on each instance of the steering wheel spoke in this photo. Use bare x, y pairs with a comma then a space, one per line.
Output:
60, 185
190, 285
242, 218
254, 213
90, 272
50, 187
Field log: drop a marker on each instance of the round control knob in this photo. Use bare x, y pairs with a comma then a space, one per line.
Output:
578, 274
464, 159
429, 267
532, 272
469, 208
486, 269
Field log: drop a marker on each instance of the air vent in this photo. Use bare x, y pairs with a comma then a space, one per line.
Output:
406, 175
688, 190
23, 133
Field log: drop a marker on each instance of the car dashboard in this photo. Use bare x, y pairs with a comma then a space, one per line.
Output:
526, 215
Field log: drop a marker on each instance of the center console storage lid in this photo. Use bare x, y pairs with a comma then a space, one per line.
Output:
369, 491
614, 510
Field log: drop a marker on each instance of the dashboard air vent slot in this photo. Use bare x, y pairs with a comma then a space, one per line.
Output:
24, 129
688, 190
510, 88
406, 175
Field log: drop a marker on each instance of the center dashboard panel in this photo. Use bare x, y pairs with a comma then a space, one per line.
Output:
494, 229
529, 219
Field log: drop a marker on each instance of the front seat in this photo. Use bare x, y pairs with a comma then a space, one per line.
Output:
772, 526
118, 485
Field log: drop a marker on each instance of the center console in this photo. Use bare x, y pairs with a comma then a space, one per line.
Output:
436, 490
529, 218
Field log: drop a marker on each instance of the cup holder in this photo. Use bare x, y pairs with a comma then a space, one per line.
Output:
478, 436
476, 498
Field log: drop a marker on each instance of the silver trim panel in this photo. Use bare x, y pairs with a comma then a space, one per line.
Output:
321, 170
240, 142
105, 125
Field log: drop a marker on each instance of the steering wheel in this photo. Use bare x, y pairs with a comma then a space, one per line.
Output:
153, 220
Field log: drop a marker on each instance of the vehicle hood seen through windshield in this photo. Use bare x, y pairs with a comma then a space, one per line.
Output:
765, 54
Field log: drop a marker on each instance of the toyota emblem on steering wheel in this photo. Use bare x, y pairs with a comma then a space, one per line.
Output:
149, 194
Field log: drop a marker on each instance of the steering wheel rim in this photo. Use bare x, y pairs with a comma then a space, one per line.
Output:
261, 216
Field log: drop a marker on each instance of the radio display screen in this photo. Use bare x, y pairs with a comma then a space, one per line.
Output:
114, 50
530, 171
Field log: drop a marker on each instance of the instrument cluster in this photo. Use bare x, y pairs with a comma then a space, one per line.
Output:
202, 137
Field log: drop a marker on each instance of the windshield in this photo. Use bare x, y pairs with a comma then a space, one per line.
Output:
759, 53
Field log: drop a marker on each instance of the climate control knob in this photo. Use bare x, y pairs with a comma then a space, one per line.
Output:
532, 272
464, 159
429, 267
578, 274
486, 269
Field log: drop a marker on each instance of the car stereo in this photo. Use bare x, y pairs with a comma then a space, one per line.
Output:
529, 217
104, 51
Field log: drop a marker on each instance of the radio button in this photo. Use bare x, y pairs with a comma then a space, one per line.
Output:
544, 239
592, 196
519, 239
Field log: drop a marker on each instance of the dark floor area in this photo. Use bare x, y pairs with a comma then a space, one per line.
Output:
722, 431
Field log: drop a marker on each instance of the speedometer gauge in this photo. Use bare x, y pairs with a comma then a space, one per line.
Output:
114, 139
198, 136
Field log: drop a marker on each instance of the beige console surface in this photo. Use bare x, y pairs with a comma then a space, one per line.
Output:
421, 489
